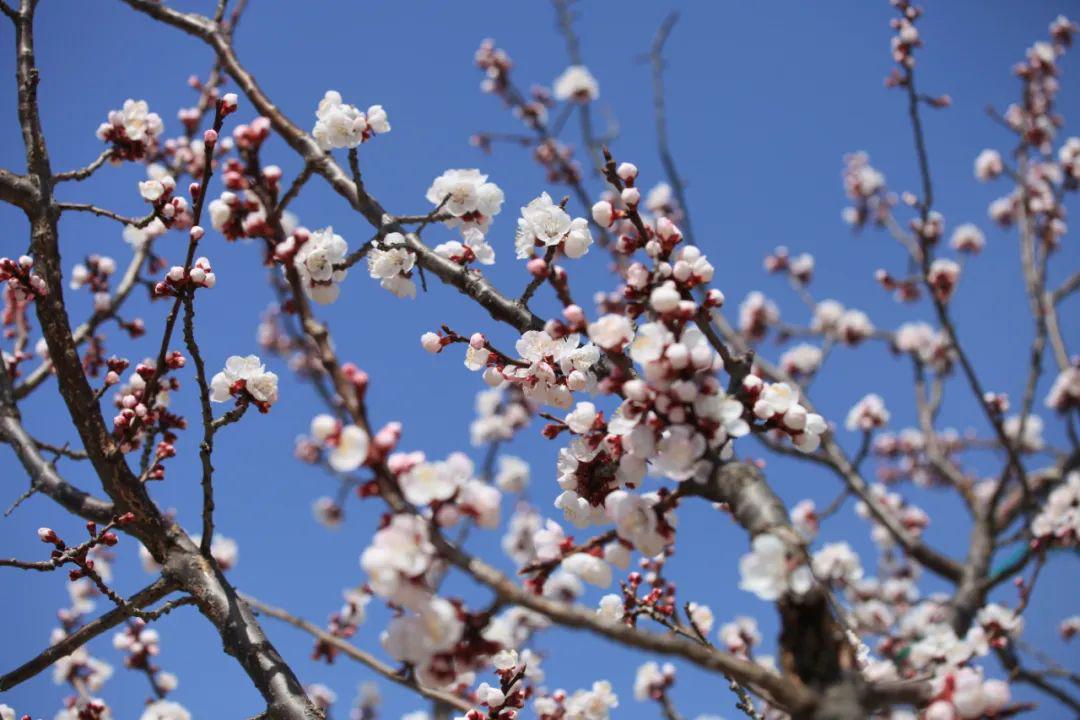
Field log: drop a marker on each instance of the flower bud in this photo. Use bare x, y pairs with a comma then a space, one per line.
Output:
431, 342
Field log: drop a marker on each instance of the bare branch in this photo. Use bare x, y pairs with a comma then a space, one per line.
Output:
85, 172
206, 448
102, 212
1067, 288
656, 59
17, 190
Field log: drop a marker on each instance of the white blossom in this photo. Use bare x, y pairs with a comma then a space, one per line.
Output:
416, 637
1065, 392
611, 608
427, 482
257, 381
636, 520
837, 562
988, 165
867, 414
471, 200
340, 125
350, 449
576, 83
967, 238
582, 418
611, 332
589, 568
678, 451
1031, 440
474, 246
317, 261
138, 124
650, 678
701, 616
391, 262
741, 635
512, 474
594, 704
765, 570
542, 222
398, 552
165, 710
1000, 620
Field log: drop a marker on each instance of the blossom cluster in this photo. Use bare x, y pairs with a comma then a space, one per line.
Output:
246, 379
21, 278
466, 196
179, 278
133, 131
391, 263
317, 257
543, 224
340, 125
138, 410
1058, 522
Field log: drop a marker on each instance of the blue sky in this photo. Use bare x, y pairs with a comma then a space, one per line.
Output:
764, 100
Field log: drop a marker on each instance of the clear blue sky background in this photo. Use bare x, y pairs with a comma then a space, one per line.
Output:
765, 98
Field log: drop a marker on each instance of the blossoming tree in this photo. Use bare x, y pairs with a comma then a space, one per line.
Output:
656, 395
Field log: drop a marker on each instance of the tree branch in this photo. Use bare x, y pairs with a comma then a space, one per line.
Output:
85, 172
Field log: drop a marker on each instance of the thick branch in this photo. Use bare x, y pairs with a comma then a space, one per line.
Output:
16, 189
217, 600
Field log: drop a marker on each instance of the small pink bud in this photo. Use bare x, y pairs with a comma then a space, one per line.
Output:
387, 438
574, 314
229, 102
537, 267
477, 341
209, 136
714, 298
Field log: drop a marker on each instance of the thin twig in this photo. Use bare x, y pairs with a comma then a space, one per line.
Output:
85, 172
102, 212
656, 59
